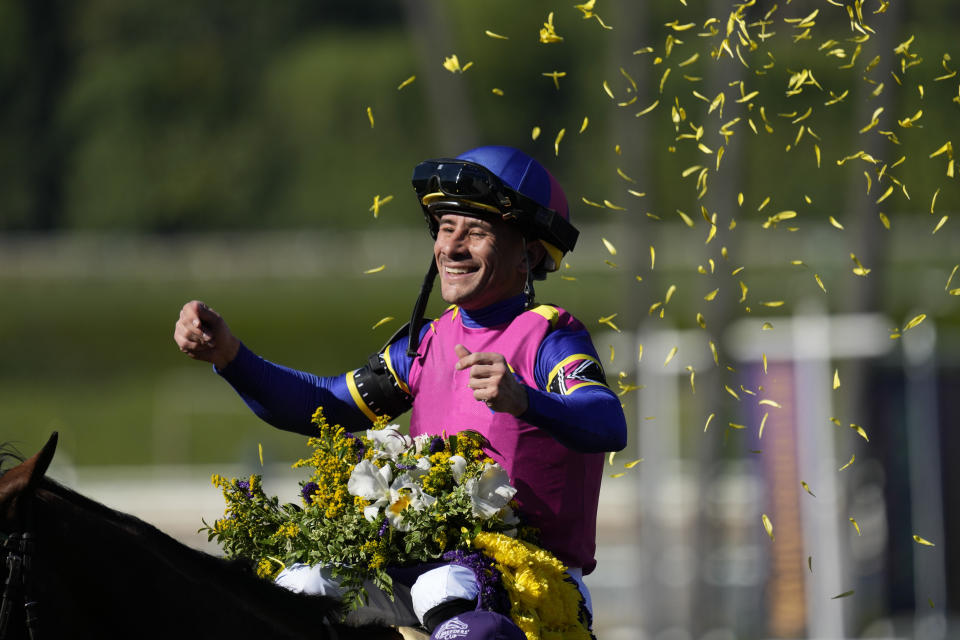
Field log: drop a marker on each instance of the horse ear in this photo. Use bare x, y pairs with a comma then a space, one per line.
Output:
25, 476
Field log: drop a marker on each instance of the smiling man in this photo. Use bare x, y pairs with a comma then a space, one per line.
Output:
523, 374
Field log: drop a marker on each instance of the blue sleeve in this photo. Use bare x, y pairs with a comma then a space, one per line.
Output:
572, 400
287, 398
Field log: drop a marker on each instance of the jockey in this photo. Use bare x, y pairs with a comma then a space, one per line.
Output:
523, 374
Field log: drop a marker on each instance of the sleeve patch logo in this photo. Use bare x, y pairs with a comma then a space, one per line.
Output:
576, 373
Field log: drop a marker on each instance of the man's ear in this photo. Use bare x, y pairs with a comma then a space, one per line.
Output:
535, 254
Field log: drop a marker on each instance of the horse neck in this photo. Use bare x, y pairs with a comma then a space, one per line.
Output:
100, 565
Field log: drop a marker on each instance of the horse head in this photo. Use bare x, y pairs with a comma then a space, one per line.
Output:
17, 483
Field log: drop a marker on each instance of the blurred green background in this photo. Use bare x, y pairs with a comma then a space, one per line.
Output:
157, 152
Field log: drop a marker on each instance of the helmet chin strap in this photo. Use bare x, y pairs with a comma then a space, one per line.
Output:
416, 320
528, 293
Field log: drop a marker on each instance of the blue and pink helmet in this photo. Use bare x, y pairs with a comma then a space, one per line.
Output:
501, 181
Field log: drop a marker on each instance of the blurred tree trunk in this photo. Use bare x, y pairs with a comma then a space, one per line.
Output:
450, 110
45, 75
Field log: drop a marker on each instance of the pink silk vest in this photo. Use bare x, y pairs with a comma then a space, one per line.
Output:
557, 487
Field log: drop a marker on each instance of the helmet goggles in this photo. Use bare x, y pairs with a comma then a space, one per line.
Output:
450, 183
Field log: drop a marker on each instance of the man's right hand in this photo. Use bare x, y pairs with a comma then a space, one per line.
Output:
202, 334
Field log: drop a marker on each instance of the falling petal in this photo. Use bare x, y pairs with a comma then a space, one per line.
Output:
631, 465
915, 321
855, 526
942, 222
820, 282
376, 269
535, 133
806, 488
852, 458
810, 563
370, 116
583, 127
731, 392
496, 91
713, 349
670, 355
495, 36
707, 425
653, 257
406, 82
764, 358
711, 295
618, 475
772, 403
260, 452
612, 249
836, 378
610, 458
767, 525
763, 424
382, 321
834, 222
922, 541
766, 325
843, 595
556, 142
860, 431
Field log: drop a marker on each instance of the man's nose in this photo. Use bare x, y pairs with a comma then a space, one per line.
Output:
453, 244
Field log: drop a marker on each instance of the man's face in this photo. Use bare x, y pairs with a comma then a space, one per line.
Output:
480, 261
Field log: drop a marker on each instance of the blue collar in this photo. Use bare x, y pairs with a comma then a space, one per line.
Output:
494, 314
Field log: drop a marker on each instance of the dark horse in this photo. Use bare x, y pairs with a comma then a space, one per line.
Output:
74, 568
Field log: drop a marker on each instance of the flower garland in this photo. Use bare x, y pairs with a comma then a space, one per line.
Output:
545, 603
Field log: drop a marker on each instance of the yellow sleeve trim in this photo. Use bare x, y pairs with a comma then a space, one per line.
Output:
389, 363
548, 312
565, 362
357, 399
588, 383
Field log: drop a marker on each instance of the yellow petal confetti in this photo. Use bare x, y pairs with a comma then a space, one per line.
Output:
843, 595
624, 176
884, 220
495, 36
260, 452
772, 403
763, 423
710, 296
376, 269
548, 33
609, 245
859, 270
670, 355
834, 222
819, 282
382, 321
608, 320
556, 143
653, 257
692, 374
406, 82
377, 203
731, 391
713, 350
942, 222
767, 525
950, 279
933, 201
535, 133
860, 431
644, 112
497, 92
763, 357
612, 353
556, 75
734, 425
806, 488
885, 195
707, 425
810, 563
915, 321
836, 378
615, 207
370, 116
686, 219
922, 541
618, 475
743, 291
766, 325
701, 321
583, 127
855, 525
773, 303
632, 464
640, 353
852, 458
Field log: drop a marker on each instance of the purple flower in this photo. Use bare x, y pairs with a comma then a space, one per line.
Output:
492, 595
244, 486
436, 445
406, 467
383, 528
308, 490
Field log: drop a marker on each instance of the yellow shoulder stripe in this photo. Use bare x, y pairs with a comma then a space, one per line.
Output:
549, 312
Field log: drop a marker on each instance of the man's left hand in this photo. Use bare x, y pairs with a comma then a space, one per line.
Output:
492, 381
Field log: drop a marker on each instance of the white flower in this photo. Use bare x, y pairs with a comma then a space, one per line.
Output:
490, 492
511, 520
458, 465
406, 493
389, 442
373, 484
